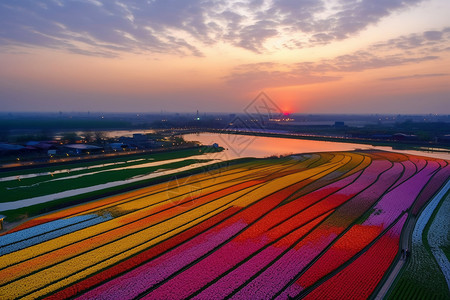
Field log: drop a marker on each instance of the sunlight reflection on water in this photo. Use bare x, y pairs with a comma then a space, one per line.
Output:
238, 146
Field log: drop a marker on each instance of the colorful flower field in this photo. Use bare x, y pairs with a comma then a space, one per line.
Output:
314, 226
428, 262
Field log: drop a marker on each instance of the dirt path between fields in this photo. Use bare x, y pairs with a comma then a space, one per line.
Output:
405, 253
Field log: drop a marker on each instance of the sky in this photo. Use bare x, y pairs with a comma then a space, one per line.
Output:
308, 56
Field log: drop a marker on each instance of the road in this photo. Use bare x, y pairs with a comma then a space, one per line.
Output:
405, 242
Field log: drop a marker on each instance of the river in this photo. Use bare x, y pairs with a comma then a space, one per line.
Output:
237, 146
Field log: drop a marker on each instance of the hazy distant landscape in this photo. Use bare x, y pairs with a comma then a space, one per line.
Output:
36, 137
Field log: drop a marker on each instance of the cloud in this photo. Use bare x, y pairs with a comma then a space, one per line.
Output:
353, 16
108, 28
269, 74
415, 76
362, 60
431, 41
250, 37
97, 28
276, 75
433, 35
421, 48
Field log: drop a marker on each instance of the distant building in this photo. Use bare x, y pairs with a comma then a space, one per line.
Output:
42, 146
140, 137
118, 146
82, 148
139, 141
404, 137
12, 149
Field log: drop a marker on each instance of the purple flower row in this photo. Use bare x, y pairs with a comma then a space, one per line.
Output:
401, 198
438, 180
410, 170
368, 176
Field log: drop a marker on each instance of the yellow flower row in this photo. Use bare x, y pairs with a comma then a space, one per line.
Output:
113, 200
178, 193
116, 247
27, 253
126, 197
182, 186
92, 256
64, 253
68, 240
359, 162
78, 236
114, 252
287, 180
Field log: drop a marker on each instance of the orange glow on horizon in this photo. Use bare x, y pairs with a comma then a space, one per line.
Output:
289, 100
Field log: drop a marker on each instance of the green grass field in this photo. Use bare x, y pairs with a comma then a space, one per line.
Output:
38, 182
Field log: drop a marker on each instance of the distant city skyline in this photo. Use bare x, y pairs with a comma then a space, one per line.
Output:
318, 57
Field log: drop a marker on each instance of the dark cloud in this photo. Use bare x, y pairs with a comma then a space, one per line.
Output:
433, 35
298, 14
97, 28
427, 43
101, 27
355, 15
251, 37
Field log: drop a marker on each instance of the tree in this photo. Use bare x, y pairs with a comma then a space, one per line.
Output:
70, 137
100, 137
88, 136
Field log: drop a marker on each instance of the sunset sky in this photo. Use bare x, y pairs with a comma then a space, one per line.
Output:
309, 56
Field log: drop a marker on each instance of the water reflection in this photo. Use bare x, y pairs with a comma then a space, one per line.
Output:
238, 146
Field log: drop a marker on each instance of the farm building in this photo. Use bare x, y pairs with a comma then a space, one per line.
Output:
82, 148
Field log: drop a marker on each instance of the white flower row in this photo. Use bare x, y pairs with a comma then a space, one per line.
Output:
423, 220
438, 235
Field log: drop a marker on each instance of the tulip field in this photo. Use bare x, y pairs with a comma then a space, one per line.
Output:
314, 226
427, 266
